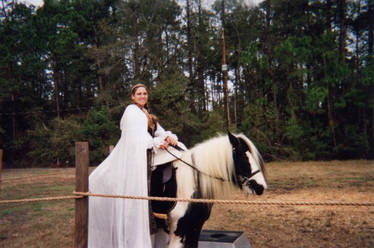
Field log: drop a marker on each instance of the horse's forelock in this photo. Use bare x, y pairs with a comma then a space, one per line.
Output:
256, 154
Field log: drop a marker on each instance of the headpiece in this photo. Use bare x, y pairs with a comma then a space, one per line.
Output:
136, 86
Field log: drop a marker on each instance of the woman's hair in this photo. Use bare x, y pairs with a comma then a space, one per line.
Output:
152, 122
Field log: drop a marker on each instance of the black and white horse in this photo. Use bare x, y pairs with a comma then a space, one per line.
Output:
205, 171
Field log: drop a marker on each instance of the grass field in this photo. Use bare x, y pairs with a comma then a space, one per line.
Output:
51, 223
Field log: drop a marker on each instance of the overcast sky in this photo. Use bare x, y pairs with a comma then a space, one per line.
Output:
34, 2
208, 2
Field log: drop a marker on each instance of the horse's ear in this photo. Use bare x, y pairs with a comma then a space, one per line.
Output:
233, 140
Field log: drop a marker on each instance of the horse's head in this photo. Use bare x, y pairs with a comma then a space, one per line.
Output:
248, 164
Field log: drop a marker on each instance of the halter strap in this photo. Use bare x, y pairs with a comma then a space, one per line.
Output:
254, 173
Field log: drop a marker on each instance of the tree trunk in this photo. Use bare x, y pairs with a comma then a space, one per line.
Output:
371, 55
200, 66
224, 69
190, 47
56, 84
371, 28
236, 86
14, 133
343, 29
268, 52
331, 113
136, 60
97, 62
331, 89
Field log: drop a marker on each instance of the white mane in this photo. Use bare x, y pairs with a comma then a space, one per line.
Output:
212, 157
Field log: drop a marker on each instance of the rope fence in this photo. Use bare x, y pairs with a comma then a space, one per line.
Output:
222, 201
78, 195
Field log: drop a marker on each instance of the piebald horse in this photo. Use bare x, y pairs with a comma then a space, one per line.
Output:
205, 171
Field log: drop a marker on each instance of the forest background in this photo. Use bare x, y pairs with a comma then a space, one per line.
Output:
301, 75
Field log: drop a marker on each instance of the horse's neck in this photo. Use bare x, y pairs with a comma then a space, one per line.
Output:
214, 157
215, 164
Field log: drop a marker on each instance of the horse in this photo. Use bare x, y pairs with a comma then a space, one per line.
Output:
205, 171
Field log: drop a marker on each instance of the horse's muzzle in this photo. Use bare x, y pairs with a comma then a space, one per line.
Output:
259, 189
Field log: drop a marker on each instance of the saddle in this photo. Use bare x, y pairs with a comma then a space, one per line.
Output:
163, 184
163, 156
163, 180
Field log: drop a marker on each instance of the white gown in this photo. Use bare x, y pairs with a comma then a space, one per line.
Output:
123, 223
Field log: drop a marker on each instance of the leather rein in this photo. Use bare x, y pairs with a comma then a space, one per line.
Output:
192, 166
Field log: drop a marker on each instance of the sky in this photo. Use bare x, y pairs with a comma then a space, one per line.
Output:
208, 2
33, 2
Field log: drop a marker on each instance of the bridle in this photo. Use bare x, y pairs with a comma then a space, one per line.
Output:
246, 179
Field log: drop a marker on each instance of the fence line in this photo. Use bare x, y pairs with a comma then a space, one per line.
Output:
80, 195
222, 201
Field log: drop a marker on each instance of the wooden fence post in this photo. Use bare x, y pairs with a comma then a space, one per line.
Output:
1, 164
81, 185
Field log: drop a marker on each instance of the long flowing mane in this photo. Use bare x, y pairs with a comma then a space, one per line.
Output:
212, 157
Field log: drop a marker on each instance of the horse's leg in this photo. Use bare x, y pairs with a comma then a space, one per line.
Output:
160, 239
192, 235
176, 241
199, 213
188, 228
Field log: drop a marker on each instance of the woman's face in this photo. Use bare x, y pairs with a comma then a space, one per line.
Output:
140, 97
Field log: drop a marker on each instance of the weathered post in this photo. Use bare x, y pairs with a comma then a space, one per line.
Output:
1, 164
81, 185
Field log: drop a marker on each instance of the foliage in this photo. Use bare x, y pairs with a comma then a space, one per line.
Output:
300, 75
54, 144
100, 131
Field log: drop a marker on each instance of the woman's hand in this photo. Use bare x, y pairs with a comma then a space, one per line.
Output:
164, 145
168, 141
171, 141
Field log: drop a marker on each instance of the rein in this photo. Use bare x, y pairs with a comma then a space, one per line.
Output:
193, 167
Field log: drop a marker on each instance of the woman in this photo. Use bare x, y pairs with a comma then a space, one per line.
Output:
125, 222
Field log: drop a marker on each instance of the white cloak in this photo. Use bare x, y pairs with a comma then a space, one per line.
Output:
123, 223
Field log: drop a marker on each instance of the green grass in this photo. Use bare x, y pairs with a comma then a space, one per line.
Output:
36, 224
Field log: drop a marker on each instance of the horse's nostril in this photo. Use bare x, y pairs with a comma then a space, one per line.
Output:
259, 189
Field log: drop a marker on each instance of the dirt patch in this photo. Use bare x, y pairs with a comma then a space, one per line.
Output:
301, 226
306, 226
